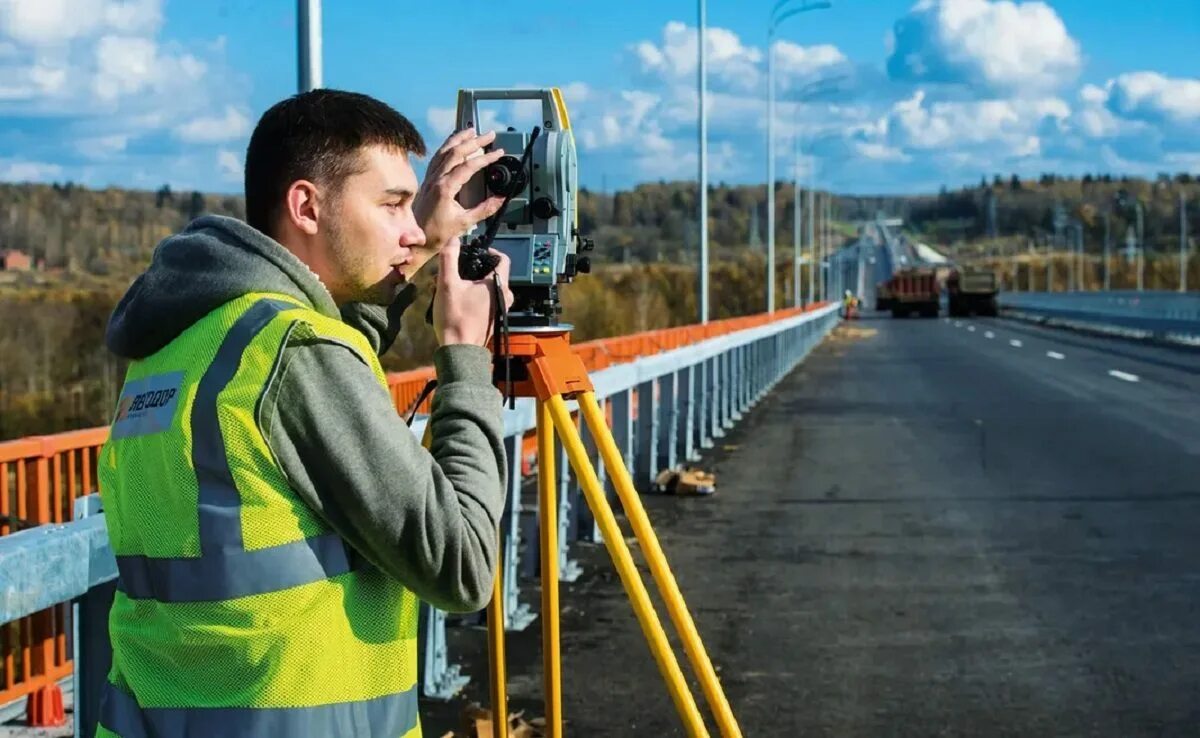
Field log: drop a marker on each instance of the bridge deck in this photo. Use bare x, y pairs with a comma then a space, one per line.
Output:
925, 531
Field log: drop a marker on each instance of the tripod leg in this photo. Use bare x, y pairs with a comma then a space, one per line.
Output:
659, 568
634, 587
547, 520
498, 682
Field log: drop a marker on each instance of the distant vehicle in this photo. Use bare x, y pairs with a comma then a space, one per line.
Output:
914, 290
972, 290
883, 295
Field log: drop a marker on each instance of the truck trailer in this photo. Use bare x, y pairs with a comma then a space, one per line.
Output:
972, 290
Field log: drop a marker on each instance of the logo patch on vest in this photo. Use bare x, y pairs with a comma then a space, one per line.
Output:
147, 405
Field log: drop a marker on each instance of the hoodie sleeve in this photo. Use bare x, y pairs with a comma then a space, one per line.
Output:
379, 324
428, 518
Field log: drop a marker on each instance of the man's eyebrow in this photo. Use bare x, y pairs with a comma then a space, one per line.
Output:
398, 192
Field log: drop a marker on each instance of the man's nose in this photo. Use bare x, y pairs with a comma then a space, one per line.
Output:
412, 236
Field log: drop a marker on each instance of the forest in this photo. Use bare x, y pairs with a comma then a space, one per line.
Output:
87, 246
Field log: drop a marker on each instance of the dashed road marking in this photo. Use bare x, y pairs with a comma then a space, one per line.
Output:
971, 328
1055, 355
989, 334
1123, 375
1015, 343
958, 324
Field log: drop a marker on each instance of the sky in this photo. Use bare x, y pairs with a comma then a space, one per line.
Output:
873, 96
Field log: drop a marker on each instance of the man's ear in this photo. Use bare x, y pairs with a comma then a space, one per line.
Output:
301, 207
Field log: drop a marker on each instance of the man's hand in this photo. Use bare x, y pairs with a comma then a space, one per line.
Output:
463, 310
436, 206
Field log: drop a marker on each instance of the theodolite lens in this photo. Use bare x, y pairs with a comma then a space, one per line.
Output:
506, 177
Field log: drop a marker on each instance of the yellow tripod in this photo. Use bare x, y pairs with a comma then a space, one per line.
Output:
552, 373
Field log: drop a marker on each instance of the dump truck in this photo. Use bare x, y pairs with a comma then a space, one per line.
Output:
915, 290
971, 290
883, 296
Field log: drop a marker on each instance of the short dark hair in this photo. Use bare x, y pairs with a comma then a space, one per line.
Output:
317, 135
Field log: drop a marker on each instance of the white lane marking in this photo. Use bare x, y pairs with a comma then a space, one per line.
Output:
989, 334
1123, 375
1015, 343
971, 328
958, 324
1055, 355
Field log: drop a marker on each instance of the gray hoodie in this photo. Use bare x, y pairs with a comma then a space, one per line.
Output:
427, 518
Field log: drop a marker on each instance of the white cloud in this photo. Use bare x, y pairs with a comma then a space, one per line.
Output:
128, 65
16, 170
793, 62
230, 165
730, 62
1000, 44
234, 124
102, 147
50, 22
441, 120
1004, 127
1154, 97
880, 152
101, 73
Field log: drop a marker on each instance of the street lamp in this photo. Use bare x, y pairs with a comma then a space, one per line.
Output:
814, 89
779, 13
308, 44
1125, 200
702, 82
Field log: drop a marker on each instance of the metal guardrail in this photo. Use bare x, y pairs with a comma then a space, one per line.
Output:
663, 410
1158, 314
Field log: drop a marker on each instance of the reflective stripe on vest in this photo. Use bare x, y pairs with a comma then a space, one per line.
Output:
225, 570
390, 716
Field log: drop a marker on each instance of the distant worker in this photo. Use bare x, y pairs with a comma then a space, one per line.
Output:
273, 518
849, 305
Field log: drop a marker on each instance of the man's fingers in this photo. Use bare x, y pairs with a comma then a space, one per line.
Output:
464, 149
458, 176
503, 267
453, 140
485, 209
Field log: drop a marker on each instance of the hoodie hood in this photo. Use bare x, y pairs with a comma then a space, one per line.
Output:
214, 260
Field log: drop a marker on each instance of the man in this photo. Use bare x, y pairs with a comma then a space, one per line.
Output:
274, 520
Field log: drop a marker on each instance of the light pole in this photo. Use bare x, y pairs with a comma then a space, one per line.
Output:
703, 83
779, 13
1125, 200
1107, 248
809, 91
1183, 260
309, 44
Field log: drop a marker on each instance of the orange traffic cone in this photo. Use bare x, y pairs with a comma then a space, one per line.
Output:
44, 708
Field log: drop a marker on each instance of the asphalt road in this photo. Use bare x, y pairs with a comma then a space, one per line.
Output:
969, 527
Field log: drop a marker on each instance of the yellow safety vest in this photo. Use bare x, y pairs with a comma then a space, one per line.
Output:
239, 613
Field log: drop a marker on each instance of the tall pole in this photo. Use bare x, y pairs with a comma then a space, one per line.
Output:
1141, 236
771, 168
1107, 247
1079, 243
812, 241
309, 43
703, 162
1183, 260
796, 225
1049, 264
778, 15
